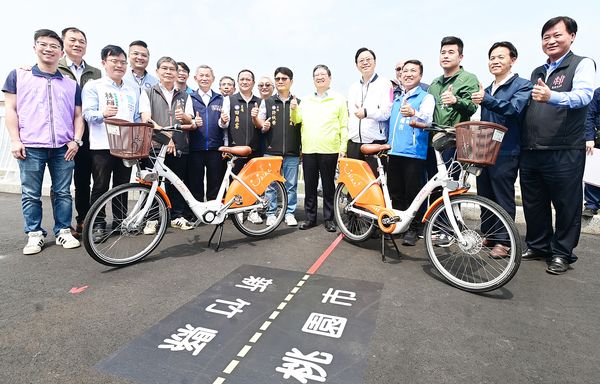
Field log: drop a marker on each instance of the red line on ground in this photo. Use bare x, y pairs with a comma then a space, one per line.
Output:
313, 269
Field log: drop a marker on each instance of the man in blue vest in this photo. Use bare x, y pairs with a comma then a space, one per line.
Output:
553, 147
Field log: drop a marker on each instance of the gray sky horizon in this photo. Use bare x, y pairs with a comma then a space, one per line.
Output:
264, 34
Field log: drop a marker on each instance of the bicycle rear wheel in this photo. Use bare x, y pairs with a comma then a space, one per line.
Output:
112, 235
469, 265
264, 220
355, 227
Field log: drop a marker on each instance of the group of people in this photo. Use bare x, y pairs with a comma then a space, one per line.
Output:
55, 114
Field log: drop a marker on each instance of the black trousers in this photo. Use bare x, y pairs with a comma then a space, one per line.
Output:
353, 152
205, 163
105, 165
405, 180
179, 165
552, 178
313, 166
497, 183
82, 178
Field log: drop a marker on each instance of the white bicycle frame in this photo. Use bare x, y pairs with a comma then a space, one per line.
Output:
404, 218
210, 212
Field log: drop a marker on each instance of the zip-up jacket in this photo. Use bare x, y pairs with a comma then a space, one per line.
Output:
549, 127
507, 107
405, 140
592, 122
165, 116
464, 84
89, 72
209, 135
241, 128
46, 108
283, 139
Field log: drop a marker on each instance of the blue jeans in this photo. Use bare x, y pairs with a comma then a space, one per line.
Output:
32, 175
289, 169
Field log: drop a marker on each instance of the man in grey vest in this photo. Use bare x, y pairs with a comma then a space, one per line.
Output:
553, 147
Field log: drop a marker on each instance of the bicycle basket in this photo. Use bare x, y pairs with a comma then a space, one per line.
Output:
128, 140
478, 142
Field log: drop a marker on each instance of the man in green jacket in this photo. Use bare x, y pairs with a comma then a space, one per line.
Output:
74, 66
452, 92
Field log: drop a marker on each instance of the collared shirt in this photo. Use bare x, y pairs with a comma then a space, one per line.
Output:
134, 81
582, 91
96, 94
495, 85
77, 70
324, 121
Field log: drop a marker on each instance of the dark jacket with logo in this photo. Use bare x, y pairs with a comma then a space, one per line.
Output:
209, 135
241, 128
549, 127
507, 107
283, 139
165, 116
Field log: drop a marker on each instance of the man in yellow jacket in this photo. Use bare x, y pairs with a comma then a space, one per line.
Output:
324, 118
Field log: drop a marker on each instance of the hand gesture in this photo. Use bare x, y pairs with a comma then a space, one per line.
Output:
171, 147
360, 112
293, 103
448, 97
589, 147
72, 148
225, 117
266, 126
110, 111
406, 110
541, 92
477, 97
179, 115
198, 120
254, 111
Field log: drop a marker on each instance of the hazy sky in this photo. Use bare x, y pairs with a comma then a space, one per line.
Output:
264, 34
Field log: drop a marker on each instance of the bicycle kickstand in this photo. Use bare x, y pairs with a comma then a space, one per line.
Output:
220, 228
383, 246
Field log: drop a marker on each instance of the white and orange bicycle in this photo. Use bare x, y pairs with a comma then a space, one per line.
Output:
132, 218
459, 228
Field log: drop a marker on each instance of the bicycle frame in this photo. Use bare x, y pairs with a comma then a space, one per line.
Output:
375, 197
241, 195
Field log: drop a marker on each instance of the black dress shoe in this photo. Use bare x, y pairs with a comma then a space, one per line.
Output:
558, 266
530, 254
410, 238
307, 225
330, 226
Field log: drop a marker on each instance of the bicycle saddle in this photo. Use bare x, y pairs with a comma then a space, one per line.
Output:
369, 149
240, 151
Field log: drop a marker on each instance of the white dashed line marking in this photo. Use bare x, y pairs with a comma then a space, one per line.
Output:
231, 367
281, 306
255, 338
288, 298
219, 380
300, 283
243, 351
265, 325
274, 315
295, 290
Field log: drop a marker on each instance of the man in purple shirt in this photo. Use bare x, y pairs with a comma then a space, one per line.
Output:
44, 121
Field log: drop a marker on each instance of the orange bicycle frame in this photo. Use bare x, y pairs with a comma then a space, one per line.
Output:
356, 175
258, 173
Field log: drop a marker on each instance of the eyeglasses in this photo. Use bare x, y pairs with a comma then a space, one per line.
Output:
167, 69
282, 79
265, 85
44, 45
398, 69
365, 60
117, 62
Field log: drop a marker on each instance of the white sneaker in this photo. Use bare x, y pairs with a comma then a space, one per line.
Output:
271, 219
254, 218
150, 228
34, 243
290, 220
182, 224
66, 239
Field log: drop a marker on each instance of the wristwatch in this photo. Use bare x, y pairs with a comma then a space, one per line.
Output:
79, 142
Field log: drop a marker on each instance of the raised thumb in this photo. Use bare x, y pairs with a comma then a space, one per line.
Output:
480, 86
450, 89
540, 82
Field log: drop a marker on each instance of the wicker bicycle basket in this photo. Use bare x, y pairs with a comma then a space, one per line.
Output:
478, 142
128, 140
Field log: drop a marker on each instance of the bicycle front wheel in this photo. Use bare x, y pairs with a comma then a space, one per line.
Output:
355, 227
470, 265
264, 220
117, 231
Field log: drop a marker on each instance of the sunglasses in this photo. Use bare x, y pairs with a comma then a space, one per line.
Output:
278, 79
265, 85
